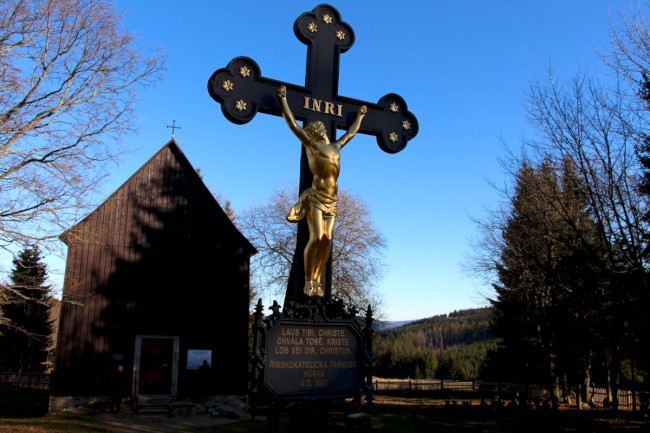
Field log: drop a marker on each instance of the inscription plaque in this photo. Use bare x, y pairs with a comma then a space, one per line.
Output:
321, 360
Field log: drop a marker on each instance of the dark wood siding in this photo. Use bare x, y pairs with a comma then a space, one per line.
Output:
158, 257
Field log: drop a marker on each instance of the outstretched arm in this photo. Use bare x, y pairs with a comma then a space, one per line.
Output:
354, 128
288, 115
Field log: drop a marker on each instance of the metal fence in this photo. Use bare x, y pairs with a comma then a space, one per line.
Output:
26, 380
626, 399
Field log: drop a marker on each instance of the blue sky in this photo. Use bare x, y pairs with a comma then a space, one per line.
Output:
462, 67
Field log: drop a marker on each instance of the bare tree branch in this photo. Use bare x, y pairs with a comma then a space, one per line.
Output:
357, 250
69, 75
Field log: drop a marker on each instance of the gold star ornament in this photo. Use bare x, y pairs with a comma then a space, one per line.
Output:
393, 137
406, 125
394, 107
227, 85
340, 34
327, 19
312, 27
244, 71
240, 105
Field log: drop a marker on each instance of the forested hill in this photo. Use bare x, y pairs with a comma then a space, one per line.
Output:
461, 327
452, 346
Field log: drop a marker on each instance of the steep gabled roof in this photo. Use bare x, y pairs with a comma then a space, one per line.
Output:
147, 173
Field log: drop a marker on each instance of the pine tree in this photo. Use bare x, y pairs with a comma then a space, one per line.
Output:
524, 291
25, 324
550, 288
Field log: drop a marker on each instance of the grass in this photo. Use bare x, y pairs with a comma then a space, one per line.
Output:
389, 415
60, 423
425, 415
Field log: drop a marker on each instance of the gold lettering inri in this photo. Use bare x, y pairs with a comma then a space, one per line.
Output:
326, 107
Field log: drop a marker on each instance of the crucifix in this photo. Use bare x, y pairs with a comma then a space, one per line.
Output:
242, 92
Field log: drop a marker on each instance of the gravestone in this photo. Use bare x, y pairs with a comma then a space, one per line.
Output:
313, 351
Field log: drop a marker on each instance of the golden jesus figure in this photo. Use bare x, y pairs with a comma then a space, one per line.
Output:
318, 202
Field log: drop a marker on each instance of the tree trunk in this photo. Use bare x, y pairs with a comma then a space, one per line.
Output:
566, 395
614, 377
586, 381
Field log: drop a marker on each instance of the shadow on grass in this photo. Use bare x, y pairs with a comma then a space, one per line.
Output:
390, 418
18, 402
388, 415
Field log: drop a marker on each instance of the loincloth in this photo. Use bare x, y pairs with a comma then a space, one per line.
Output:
310, 197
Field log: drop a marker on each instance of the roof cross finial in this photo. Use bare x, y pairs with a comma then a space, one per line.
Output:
173, 127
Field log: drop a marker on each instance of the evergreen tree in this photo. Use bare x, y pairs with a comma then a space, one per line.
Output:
589, 271
25, 324
525, 291
549, 291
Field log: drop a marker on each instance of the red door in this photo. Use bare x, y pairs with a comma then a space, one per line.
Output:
156, 357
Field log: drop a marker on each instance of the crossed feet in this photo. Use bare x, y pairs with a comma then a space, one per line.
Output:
313, 288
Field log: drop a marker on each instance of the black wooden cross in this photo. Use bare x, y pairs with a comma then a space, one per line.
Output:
242, 91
